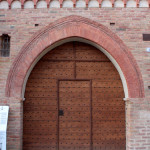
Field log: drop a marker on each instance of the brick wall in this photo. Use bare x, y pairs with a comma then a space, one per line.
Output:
130, 24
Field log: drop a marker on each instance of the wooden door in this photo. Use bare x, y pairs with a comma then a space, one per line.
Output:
75, 115
80, 80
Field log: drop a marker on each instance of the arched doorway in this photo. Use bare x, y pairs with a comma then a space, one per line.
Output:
74, 101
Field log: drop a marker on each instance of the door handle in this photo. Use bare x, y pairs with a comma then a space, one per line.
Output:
61, 113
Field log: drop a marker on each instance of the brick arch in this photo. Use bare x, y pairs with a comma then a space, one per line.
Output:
74, 26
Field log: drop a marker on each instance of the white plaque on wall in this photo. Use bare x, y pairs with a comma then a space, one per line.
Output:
3, 126
2, 140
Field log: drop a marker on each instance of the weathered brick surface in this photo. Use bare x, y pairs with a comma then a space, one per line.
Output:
138, 123
130, 24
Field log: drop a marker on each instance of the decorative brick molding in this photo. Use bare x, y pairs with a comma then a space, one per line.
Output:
74, 26
100, 3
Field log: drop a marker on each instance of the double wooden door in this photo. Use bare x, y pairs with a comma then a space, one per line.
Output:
74, 101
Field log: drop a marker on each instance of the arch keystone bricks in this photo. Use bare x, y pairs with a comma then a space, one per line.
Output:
74, 26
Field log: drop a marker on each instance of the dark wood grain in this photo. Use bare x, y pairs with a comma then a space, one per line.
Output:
80, 80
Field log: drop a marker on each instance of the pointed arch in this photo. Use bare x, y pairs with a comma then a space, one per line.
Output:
68, 27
